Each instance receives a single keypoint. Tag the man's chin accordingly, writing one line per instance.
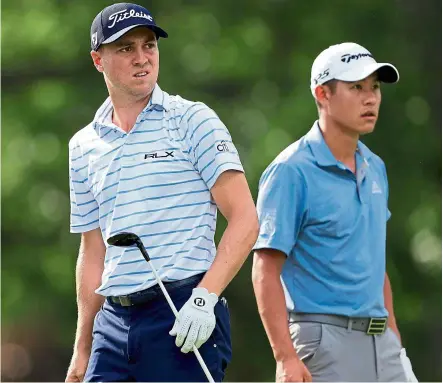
(142, 91)
(366, 129)
(365, 132)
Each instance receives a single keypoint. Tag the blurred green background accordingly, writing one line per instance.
(249, 60)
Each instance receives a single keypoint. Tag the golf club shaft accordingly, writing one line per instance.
(174, 310)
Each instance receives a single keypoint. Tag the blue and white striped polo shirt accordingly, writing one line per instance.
(154, 181)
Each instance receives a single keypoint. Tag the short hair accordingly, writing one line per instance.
(332, 85)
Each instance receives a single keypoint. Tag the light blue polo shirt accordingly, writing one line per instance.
(330, 223)
(154, 181)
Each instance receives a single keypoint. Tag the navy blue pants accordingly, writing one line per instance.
(133, 343)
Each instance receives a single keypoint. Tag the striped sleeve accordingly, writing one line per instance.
(84, 207)
(211, 148)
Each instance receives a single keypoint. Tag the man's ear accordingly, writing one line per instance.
(322, 94)
(97, 60)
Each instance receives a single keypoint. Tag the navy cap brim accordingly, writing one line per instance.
(388, 73)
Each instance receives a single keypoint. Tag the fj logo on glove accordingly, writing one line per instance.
(200, 302)
(196, 320)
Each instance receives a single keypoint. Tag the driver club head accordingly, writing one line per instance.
(124, 239)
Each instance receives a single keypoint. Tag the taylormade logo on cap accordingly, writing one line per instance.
(116, 20)
(348, 57)
(348, 62)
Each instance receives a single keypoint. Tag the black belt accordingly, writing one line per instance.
(371, 326)
(153, 292)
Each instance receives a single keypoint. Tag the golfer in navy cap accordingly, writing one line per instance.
(158, 166)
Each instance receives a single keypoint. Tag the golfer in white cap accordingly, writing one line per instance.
(319, 268)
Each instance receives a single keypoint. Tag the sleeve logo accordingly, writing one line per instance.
(223, 146)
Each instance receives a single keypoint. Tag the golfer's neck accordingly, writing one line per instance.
(127, 110)
(341, 143)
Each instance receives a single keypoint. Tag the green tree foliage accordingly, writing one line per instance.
(250, 61)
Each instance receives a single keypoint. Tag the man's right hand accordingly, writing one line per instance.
(78, 366)
(292, 370)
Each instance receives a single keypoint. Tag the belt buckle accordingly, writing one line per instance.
(124, 301)
(377, 326)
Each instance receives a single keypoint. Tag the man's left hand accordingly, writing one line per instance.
(196, 320)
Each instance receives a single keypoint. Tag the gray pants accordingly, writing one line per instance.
(333, 353)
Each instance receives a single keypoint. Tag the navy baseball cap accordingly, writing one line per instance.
(117, 19)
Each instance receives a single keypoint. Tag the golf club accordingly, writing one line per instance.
(126, 239)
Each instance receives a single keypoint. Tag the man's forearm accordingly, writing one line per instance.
(89, 304)
(234, 247)
(88, 278)
(389, 304)
(272, 309)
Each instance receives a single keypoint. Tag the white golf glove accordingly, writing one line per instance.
(407, 367)
(196, 320)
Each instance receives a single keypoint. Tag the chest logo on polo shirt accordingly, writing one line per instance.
(375, 188)
(155, 155)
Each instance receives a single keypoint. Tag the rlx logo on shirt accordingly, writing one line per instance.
(159, 155)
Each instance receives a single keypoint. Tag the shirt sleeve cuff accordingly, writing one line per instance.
(274, 245)
(220, 170)
(84, 228)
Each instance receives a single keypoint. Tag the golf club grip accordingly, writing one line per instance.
(174, 310)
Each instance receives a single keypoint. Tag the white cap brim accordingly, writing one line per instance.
(386, 73)
(119, 34)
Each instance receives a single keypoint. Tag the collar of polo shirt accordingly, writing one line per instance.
(321, 151)
(158, 97)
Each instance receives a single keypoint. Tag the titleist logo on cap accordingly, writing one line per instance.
(348, 57)
(123, 15)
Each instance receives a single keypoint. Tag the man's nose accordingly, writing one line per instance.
(370, 98)
(140, 58)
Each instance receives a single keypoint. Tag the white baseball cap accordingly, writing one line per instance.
(349, 62)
